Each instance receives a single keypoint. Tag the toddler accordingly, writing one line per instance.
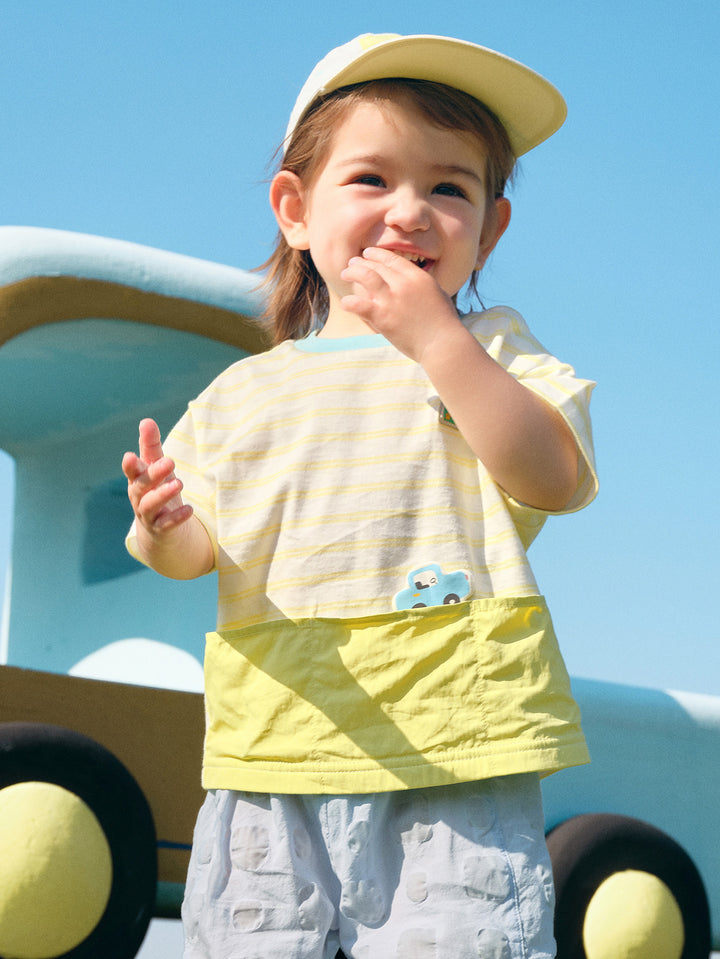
(383, 687)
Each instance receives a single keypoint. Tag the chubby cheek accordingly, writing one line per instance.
(465, 260)
(358, 227)
(331, 255)
(344, 227)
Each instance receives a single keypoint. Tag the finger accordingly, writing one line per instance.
(143, 481)
(357, 267)
(145, 475)
(388, 258)
(159, 483)
(377, 268)
(132, 466)
(152, 503)
(171, 518)
(366, 277)
(150, 441)
(360, 305)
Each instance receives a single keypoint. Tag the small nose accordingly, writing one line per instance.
(408, 211)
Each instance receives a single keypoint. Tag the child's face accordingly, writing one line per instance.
(394, 180)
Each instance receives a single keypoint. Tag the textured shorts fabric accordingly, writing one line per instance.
(452, 872)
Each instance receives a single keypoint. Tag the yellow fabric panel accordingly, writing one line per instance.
(398, 700)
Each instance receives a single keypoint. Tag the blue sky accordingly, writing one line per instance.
(156, 122)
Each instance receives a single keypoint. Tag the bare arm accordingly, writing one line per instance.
(170, 539)
(525, 444)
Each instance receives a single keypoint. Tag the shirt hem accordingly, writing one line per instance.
(339, 780)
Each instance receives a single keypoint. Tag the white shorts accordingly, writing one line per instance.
(451, 872)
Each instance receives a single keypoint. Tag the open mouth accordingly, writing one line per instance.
(415, 258)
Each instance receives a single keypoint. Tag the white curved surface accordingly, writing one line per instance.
(143, 662)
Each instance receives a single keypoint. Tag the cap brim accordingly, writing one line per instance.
(530, 108)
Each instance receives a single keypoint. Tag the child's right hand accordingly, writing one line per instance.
(153, 488)
(169, 538)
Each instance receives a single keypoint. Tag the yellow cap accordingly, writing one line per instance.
(530, 108)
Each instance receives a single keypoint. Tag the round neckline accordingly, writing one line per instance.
(313, 343)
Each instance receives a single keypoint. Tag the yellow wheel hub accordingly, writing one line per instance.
(633, 915)
(55, 870)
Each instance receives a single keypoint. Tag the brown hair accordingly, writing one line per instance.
(298, 296)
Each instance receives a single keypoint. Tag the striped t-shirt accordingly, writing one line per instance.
(326, 471)
(379, 626)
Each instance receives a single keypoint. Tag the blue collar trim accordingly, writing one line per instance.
(327, 344)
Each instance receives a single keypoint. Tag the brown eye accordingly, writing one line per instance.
(369, 179)
(449, 189)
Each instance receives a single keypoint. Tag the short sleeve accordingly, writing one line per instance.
(506, 337)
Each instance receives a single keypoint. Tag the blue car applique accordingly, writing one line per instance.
(429, 586)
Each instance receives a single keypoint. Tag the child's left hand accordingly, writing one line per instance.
(525, 444)
(398, 299)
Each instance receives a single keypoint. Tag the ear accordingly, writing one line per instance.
(288, 200)
(495, 225)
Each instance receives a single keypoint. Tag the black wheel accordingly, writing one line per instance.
(450, 599)
(48, 769)
(618, 879)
